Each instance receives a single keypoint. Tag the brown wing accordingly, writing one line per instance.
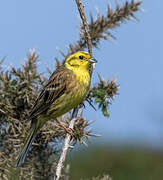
(55, 87)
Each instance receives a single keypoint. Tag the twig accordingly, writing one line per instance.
(86, 27)
(66, 146)
(64, 151)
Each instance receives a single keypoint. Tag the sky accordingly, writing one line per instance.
(134, 58)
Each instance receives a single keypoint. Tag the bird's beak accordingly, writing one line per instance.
(92, 60)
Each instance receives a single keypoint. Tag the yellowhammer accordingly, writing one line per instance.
(65, 89)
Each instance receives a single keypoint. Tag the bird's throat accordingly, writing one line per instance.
(82, 75)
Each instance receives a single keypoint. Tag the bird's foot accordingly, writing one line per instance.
(68, 130)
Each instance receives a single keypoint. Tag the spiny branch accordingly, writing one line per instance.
(64, 152)
(98, 28)
(85, 25)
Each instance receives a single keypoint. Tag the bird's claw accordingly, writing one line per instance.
(69, 131)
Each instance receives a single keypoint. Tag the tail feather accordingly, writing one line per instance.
(27, 145)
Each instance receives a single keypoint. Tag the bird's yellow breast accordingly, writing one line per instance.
(82, 76)
(76, 94)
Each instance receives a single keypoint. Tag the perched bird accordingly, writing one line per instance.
(66, 88)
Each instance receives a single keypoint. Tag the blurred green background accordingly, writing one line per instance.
(120, 162)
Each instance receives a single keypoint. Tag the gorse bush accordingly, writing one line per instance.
(19, 88)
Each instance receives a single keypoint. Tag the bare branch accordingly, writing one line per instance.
(64, 151)
(85, 24)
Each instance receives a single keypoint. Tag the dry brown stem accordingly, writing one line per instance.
(85, 25)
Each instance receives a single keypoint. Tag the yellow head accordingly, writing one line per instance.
(79, 60)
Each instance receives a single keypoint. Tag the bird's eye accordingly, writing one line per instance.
(81, 57)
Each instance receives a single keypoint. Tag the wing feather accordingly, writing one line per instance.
(55, 87)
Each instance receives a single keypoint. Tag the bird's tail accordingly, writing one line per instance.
(27, 145)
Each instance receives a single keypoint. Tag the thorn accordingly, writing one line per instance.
(81, 113)
(83, 142)
(95, 135)
(61, 52)
(71, 147)
(90, 103)
(99, 77)
(141, 9)
(89, 130)
(90, 122)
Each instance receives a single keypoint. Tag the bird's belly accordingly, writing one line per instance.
(67, 102)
